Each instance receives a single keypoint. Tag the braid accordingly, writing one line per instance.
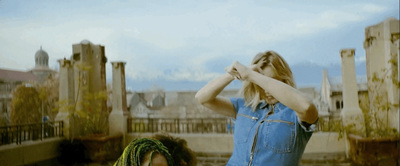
(138, 148)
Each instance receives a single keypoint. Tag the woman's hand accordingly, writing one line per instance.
(241, 72)
(233, 71)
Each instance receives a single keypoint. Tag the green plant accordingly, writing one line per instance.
(375, 114)
(95, 117)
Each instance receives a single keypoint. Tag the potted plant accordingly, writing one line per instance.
(377, 143)
(99, 146)
(90, 121)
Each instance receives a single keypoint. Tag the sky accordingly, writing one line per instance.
(183, 44)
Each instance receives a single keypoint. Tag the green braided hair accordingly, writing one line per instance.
(138, 148)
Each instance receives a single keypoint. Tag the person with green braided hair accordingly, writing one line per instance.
(145, 152)
(178, 148)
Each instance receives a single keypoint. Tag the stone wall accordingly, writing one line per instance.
(30, 152)
(203, 145)
(320, 142)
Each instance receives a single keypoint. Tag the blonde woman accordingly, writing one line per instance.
(274, 120)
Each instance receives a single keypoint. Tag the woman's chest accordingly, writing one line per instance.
(274, 130)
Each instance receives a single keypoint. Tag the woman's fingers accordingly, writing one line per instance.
(242, 70)
(233, 71)
(238, 77)
(238, 70)
(235, 74)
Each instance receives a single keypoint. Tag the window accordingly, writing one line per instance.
(77, 57)
(337, 105)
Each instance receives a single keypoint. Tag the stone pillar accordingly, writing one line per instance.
(351, 112)
(380, 47)
(119, 114)
(66, 95)
(391, 51)
(325, 89)
(351, 107)
(398, 77)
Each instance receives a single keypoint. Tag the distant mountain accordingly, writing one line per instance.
(166, 85)
(309, 74)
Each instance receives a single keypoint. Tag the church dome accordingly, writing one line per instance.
(41, 58)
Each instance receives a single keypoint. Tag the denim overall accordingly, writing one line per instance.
(270, 135)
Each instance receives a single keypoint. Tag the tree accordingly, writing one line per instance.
(48, 93)
(25, 105)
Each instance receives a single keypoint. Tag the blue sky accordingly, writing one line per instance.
(181, 45)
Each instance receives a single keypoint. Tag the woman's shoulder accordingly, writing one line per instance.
(237, 102)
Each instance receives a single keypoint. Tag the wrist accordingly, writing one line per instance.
(229, 77)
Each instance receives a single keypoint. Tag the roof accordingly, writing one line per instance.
(42, 68)
(338, 80)
(337, 86)
(13, 75)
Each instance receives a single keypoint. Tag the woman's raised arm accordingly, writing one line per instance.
(208, 96)
(287, 95)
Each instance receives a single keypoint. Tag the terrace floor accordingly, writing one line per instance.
(221, 160)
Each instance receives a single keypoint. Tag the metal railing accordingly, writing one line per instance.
(25, 132)
(171, 125)
(209, 125)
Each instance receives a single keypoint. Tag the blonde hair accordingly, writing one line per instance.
(253, 93)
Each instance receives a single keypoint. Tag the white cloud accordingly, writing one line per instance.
(359, 59)
(179, 74)
(372, 8)
(183, 74)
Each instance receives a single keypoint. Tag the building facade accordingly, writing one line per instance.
(10, 79)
